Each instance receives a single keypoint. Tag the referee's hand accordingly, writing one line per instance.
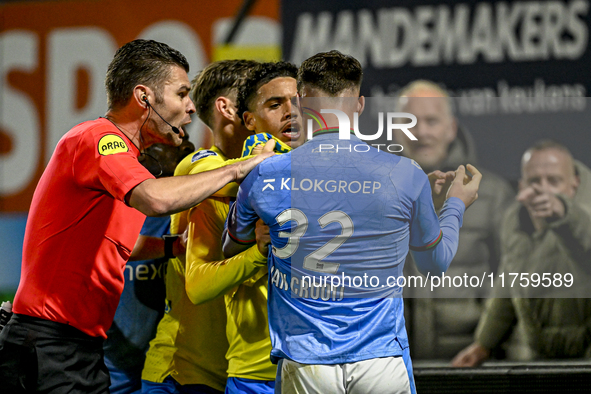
(465, 187)
(243, 168)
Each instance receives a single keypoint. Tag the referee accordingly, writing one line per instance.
(85, 216)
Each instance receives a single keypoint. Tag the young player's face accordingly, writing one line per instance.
(272, 112)
(176, 108)
(435, 131)
(550, 171)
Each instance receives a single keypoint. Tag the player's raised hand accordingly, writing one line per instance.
(464, 187)
(440, 182)
(244, 167)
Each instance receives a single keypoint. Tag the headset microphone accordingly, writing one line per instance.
(174, 129)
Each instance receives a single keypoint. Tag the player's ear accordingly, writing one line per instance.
(297, 103)
(360, 105)
(226, 108)
(249, 120)
(141, 95)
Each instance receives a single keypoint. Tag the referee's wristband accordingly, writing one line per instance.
(168, 245)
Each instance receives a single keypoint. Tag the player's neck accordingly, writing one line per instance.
(226, 139)
(126, 124)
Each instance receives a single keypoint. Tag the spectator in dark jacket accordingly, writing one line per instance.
(548, 230)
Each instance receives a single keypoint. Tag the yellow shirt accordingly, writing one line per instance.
(248, 330)
(209, 275)
(243, 280)
(190, 343)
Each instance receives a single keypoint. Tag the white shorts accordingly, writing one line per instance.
(387, 375)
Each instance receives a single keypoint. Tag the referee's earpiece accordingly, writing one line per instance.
(148, 105)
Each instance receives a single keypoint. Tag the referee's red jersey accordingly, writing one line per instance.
(80, 232)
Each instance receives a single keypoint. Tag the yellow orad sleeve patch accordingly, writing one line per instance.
(111, 144)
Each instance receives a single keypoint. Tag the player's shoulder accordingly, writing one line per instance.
(408, 168)
(99, 135)
(408, 175)
(412, 164)
(205, 155)
(92, 129)
(269, 170)
(201, 160)
(274, 165)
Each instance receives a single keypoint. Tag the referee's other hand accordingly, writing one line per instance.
(465, 187)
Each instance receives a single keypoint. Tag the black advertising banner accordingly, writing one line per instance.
(532, 56)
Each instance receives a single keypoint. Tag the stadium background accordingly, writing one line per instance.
(500, 59)
(519, 69)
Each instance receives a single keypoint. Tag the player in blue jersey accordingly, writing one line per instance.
(341, 210)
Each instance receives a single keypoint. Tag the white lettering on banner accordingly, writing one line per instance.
(503, 98)
(446, 34)
(68, 50)
(18, 114)
(145, 271)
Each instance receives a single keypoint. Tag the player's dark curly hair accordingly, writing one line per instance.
(145, 62)
(261, 75)
(218, 79)
(332, 72)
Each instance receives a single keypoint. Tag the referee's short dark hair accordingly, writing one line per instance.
(222, 78)
(261, 75)
(145, 62)
(331, 72)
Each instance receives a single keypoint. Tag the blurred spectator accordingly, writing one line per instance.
(548, 229)
(443, 322)
(142, 302)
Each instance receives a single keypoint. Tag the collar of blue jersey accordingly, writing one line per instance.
(330, 130)
(262, 138)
